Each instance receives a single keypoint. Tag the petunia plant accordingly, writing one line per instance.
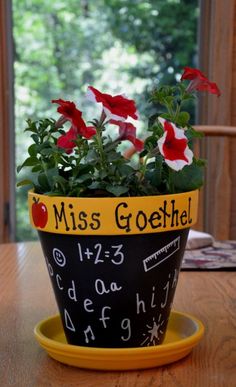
(73, 157)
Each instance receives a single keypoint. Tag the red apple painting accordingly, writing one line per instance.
(39, 214)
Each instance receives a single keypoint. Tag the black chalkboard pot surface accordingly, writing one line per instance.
(114, 263)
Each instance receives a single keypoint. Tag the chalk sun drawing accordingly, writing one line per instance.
(152, 336)
(161, 255)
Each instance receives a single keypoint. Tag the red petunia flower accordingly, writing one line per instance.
(66, 140)
(173, 146)
(68, 110)
(199, 81)
(117, 108)
(127, 131)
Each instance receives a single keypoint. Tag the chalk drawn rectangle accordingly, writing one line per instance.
(157, 258)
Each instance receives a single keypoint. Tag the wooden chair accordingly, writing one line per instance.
(217, 207)
(217, 211)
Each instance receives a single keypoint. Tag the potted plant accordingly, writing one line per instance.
(113, 230)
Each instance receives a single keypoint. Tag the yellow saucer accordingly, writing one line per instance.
(183, 333)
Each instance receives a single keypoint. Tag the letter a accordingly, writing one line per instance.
(68, 321)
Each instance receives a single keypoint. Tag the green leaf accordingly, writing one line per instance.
(189, 178)
(29, 162)
(37, 168)
(43, 182)
(83, 178)
(191, 133)
(103, 174)
(47, 151)
(24, 182)
(35, 138)
(183, 119)
(117, 190)
(33, 150)
(113, 156)
(125, 170)
(154, 172)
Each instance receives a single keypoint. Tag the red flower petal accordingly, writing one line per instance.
(66, 140)
(127, 131)
(117, 107)
(208, 86)
(173, 147)
(68, 110)
(199, 81)
(87, 131)
(191, 73)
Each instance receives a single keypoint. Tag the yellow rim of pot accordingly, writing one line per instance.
(113, 216)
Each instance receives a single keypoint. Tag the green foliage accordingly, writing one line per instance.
(96, 167)
(189, 178)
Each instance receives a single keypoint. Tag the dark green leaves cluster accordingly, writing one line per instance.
(91, 170)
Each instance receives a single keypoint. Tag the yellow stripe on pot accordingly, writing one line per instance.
(113, 216)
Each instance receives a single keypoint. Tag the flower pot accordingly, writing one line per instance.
(114, 263)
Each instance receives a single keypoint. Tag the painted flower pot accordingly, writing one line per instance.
(114, 263)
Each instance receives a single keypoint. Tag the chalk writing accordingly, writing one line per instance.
(175, 279)
(68, 321)
(96, 253)
(153, 305)
(152, 337)
(161, 255)
(71, 292)
(86, 334)
(88, 305)
(58, 281)
(59, 257)
(101, 288)
(49, 266)
(166, 288)
(103, 318)
(126, 325)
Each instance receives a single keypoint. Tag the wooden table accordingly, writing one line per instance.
(26, 298)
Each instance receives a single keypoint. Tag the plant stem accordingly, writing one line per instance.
(98, 137)
(177, 112)
(170, 182)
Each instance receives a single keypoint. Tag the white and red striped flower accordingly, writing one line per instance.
(116, 107)
(173, 146)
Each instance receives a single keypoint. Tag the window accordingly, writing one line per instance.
(118, 45)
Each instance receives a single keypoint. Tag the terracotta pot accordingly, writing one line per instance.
(114, 263)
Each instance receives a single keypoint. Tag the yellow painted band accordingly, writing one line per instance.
(113, 216)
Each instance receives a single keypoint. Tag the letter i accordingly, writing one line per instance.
(72, 216)
(153, 305)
